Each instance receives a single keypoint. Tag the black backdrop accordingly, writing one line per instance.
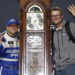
(10, 9)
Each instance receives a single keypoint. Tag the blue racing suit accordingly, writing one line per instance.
(9, 55)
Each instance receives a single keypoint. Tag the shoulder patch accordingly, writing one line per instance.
(3, 39)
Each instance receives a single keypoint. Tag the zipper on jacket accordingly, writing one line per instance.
(58, 48)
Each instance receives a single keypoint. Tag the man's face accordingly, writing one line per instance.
(12, 29)
(56, 17)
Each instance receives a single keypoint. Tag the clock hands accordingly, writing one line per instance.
(35, 21)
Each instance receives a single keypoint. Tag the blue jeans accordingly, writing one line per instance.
(69, 70)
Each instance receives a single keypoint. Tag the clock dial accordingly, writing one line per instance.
(35, 21)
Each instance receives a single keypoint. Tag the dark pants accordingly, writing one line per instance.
(69, 70)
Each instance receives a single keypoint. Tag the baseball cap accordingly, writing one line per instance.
(11, 21)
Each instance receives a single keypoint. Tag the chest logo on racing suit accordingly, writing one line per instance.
(11, 43)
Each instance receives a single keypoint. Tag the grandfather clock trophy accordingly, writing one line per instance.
(34, 37)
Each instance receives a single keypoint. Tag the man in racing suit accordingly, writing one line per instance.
(9, 49)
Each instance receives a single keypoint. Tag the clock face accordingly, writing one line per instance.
(35, 21)
(35, 18)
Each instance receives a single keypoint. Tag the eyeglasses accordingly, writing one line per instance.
(56, 15)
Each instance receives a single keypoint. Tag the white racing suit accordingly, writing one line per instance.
(9, 55)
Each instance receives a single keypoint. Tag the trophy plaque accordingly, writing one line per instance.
(34, 37)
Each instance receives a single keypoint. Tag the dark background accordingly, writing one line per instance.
(10, 9)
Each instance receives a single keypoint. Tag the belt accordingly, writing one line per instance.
(11, 67)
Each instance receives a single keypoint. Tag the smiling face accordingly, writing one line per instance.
(56, 17)
(12, 29)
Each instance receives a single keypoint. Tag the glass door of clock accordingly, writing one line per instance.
(34, 54)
